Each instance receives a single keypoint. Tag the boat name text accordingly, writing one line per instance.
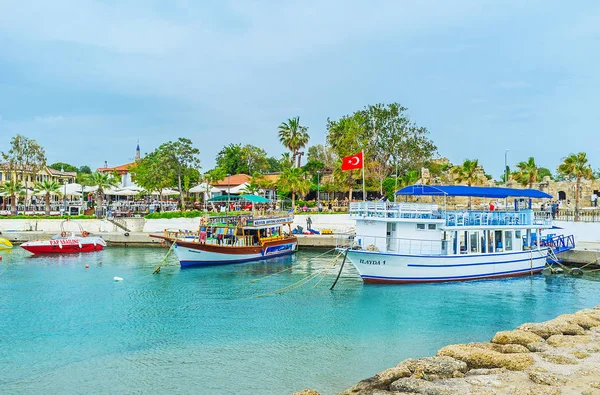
(372, 262)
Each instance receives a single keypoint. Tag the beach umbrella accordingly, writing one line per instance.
(125, 192)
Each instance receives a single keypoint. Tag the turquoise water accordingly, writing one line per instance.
(67, 329)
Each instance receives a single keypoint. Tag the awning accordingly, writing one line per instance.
(255, 199)
(232, 198)
(462, 190)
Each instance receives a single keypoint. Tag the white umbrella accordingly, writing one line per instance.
(71, 189)
(132, 188)
(125, 192)
(167, 192)
(203, 188)
(239, 189)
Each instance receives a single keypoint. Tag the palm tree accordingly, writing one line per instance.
(294, 137)
(528, 172)
(48, 187)
(293, 180)
(576, 166)
(467, 173)
(12, 188)
(102, 181)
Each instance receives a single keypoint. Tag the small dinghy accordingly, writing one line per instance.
(65, 243)
(5, 244)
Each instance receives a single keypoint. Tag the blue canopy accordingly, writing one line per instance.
(462, 190)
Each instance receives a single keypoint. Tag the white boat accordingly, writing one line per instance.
(424, 242)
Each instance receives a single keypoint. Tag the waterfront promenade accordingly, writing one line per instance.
(587, 235)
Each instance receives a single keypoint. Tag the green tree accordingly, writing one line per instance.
(103, 181)
(84, 170)
(527, 174)
(543, 172)
(12, 188)
(293, 181)
(153, 172)
(61, 166)
(229, 159)
(25, 156)
(48, 188)
(273, 165)
(182, 155)
(467, 173)
(324, 154)
(576, 166)
(294, 137)
(254, 160)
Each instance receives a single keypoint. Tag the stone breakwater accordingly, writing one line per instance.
(560, 356)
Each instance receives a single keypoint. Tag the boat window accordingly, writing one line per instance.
(431, 226)
(490, 241)
(474, 239)
(518, 234)
(498, 241)
(508, 240)
(420, 226)
(463, 242)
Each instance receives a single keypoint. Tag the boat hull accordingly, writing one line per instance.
(64, 246)
(195, 254)
(383, 268)
(5, 244)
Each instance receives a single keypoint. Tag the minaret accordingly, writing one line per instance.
(137, 152)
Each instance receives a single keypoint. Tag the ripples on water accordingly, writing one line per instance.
(67, 329)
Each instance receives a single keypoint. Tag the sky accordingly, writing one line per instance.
(88, 79)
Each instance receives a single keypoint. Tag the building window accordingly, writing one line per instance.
(420, 226)
(431, 226)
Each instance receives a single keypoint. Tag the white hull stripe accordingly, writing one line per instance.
(493, 274)
(479, 264)
(437, 256)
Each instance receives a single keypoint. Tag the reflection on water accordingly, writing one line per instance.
(70, 329)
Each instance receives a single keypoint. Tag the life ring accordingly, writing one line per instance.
(63, 234)
(85, 233)
(244, 221)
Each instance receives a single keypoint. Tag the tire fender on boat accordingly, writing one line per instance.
(85, 233)
(63, 234)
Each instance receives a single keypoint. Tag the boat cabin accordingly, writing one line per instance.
(431, 229)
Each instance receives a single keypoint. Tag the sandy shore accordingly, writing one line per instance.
(560, 356)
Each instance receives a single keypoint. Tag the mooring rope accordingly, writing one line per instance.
(157, 270)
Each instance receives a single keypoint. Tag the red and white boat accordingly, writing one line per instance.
(65, 243)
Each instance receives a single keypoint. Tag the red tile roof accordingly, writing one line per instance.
(233, 181)
(122, 169)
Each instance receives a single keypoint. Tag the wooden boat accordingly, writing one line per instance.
(66, 242)
(5, 244)
(233, 239)
(418, 242)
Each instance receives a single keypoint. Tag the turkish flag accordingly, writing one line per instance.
(352, 162)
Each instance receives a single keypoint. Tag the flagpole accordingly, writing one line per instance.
(363, 174)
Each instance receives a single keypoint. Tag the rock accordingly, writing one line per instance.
(440, 367)
(580, 354)
(516, 337)
(416, 386)
(595, 384)
(553, 327)
(537, 389)
(559, 359)
(538, 347)
(477, 358)
(514, 349)
(546, 378)
(567, 341)
(307, 392)
(381, 380)
(583, 320)
(485, 372)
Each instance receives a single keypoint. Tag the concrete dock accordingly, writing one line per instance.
(143, 239)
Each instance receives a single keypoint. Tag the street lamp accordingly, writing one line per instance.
(318, 190)
(228, 193)
(506, 166)
(62, 170)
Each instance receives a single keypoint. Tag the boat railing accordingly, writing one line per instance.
(390, 210)
(393, 245)
(394, 210)
(221, 239)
